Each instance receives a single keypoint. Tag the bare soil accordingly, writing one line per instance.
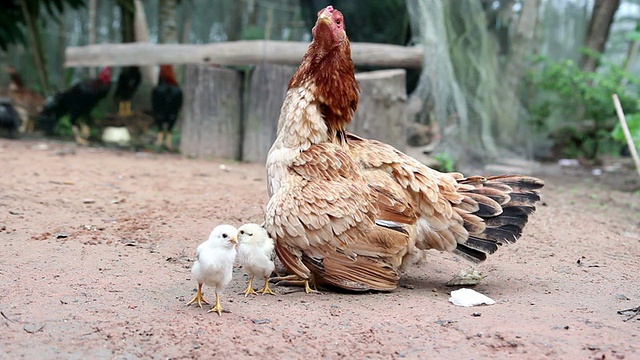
(96, 246)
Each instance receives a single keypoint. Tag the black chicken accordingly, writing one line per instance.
(166, 100)
(77, 102)
(128, 83)
(9, 118)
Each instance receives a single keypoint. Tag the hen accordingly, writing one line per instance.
(128, 82)
(26, 101)
(9, 118)
(255, 252)
(214, 263)
(166, 101)
(77, 102)
(349, 212)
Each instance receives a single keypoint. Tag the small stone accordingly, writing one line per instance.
(476, 314)
(261, 321)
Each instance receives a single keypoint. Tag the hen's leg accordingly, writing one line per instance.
(293, 280)
(218, 307)
(249, 289)
(266, 289)
(199, 297)
(76, 134)
(120, 108)
(159, 139)
(169, 141)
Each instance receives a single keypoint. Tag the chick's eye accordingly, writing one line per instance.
(224, 236)
(241, 232)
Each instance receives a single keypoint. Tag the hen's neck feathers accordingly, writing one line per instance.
(322, 97)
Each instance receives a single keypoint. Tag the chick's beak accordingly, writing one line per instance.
(234, 239)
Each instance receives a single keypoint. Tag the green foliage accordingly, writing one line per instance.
(63, 127)
(252, 33)
(633, 121)
(445, 162)
(12, 21)
(583, 102)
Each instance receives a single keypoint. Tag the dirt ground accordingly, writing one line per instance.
(96, 247)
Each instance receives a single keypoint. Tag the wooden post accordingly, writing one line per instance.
(212, 113)
(382, 113)
(268, 86)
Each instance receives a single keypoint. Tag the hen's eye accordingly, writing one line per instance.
(338, 21)
(224, 236)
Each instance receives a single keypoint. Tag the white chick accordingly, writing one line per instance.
(214, 263)
(255, 254)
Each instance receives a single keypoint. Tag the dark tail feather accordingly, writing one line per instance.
(516, 195)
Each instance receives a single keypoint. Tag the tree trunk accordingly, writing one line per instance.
(515, 68)
(598, 31)
(632, 54)
(36, 46)
(167, 22)
(93, 4)
(142, 36)
(127, 14)
(234, 31)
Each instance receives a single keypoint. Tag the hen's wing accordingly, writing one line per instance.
(469, 216)
(324, 223)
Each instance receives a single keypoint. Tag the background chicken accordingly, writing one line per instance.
(27, 102)
(166, 100)
(214, 263)
(77, 102)
(128, 82)
(9, 118)
(255, 254)
(349, 212)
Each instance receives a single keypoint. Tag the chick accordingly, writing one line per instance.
(255, 254)
(214, 263)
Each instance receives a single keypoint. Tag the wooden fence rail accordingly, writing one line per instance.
(245, 52)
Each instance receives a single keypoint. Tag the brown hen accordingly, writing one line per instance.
(350, 212)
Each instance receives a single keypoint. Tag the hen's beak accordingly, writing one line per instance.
(325, 17)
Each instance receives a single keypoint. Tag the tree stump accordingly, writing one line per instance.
(268, 86)
(212, 113)
(381, 113)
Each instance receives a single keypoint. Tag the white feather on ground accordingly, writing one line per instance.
(256, 254)
(214, 263)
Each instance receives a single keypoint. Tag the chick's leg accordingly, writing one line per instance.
(266, 289)
(218, 307)
(249, 289)
(199, 297)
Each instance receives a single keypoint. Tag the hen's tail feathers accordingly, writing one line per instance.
(504, 204)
